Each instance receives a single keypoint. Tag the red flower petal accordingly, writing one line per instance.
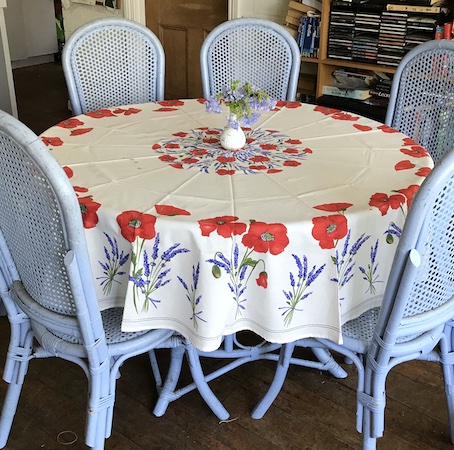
(333, 207)
(166, 210)
(327, 229)
(362, 127)
(404, 165)
(135, 224)
(80, 131)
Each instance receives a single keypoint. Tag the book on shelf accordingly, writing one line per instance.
(357, 94)
(415, 8)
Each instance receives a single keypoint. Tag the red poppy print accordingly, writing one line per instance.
(423, 171)
(167, 103)
(307, 150)
(80, 189)
(199, 152)
(156, 147)
(266, 237)
(258, 167)
(88, 209)
(52, 141)
(189, 160)
(69, 172)
(172, 145)
(280, 103)
(249, 140)
(259, 158)
(362, 127)
(127, 112)
(70, 123)
(387, 129)
(291, 163)
(166, 210)
(344, 116)
(167, 158)
(326, 110)
(293, 141)
(383, 202)
(176, 165)
(292, 105)
(180, 134)
(409, 192)
(210, 140)
(404, 165)
(416, 151)
(134, 224)
(262, 280)
(328, 229)
(165, 110)
(333, 207)
(80, 131)
(225, 159)
(268, 146)
(225, 226)
(291, 151)
(274, 171)
(100, 114)
(409, 141)
(225, 172)
(216, 132)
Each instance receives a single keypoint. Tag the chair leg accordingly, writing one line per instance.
(9, 411)
(199, 379)
(277, 383)
(166, 391)
(447, 364)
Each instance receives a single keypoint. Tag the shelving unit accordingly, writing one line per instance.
(327, 65)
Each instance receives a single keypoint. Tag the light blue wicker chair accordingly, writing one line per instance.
(112, 62)
(47, 287)
(416, 317)
(422, 97)
(257, 51)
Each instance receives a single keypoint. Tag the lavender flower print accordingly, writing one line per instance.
(298, 293)
(370, 274)
(237, 271)
(191, 296)
(154, 272)
(111, 267)
(345, 261)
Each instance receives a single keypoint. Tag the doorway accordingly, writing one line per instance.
(182, 26)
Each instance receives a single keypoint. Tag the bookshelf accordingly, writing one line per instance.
(325, 65)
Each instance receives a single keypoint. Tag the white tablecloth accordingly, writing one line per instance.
(289, 237)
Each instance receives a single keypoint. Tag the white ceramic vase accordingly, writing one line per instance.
(232, 139)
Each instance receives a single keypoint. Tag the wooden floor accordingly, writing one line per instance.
(314, 410)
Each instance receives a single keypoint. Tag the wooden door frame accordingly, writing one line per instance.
(135, 10)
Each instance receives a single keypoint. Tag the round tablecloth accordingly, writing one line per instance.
(289, 237)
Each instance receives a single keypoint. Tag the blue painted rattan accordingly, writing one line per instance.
(112, 62)
(257, 51)
(47, 287)
(422, 97)
(415, 320)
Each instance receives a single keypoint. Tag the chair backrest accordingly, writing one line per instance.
(422, 97)
(112, 62)
(257, 51)
(42, 237)
(420, 293)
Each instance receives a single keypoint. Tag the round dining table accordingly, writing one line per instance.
(289, 237)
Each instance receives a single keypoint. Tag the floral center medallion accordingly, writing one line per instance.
(266, 151)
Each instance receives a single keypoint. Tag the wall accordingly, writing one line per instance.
(31, 31)
(78, 14)
(275, 10)
(7, 94)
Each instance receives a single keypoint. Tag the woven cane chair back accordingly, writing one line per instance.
(257, 51)
(113, 62)
(422, 97)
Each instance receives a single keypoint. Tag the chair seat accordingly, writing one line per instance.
(111, 319)
(363, 326)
